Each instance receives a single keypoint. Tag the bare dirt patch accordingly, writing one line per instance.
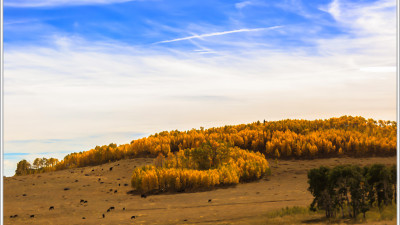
(102, 189)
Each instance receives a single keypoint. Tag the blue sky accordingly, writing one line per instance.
(91, 72)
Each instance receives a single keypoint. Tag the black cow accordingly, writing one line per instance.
(103, 215)
(133, 217)
(51, 208)
(123, 208)
(209, 200)
(108, 210)
(115, 191)
(143, 195)
(82, 201)
(112, 208)
(111, 168)
(32, 216)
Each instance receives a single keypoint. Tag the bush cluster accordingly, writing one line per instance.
(351, 190)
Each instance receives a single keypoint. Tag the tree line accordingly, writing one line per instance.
(349, 190)
(295, 139)
(39, 165)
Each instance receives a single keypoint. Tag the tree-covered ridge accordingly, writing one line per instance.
(299, 139)
(204, 167)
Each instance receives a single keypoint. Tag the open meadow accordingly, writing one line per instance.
(245, 203)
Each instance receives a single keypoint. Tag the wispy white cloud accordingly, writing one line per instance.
(243, 4)
(55, 3)
(379, 69)
(201, 36)
(369, 18)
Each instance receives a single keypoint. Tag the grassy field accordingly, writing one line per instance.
(260, 202)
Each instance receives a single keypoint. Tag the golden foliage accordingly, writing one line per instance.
(180, 171)
(344, 136)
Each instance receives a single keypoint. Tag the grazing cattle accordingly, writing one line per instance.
(76, 180)
(51, 208)
(83, 218)
(143, 195)
(103, 215)
(66, 189)
(85, 201)
(209, 200)
(111, 189)
(82, 201)
(108, 210)
(99, 179)
(24, 195)
(32, 216)
(133, 217)
(93, 170)
(115, 191)
(123, 208)
(112, 208)
(126, 184)
(111, 168)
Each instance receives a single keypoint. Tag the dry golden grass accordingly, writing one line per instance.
(247, 203)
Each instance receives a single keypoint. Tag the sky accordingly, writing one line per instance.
(81, 73)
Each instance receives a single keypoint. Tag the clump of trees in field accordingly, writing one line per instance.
(349, 190)
(39, 165)
(294, 139)
(210, 165)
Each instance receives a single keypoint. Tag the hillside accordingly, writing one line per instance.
(245, 203)
(285, 139)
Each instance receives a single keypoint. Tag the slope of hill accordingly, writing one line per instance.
(245, 203)
(287, 139)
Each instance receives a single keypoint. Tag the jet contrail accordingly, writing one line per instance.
(219, 33)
